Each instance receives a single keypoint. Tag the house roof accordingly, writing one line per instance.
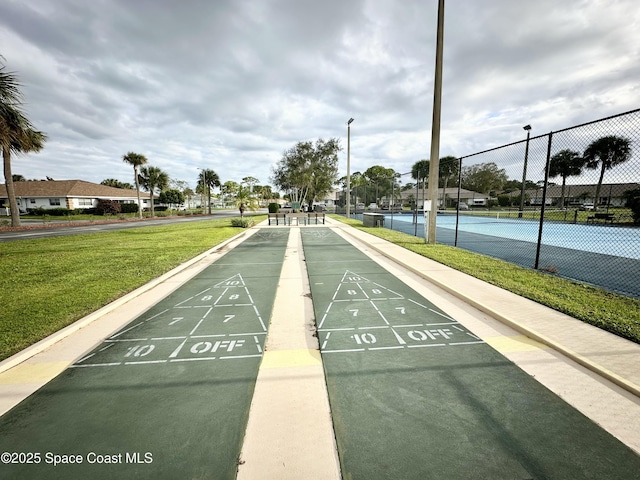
(68, 188)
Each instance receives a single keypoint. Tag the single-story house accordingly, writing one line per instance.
(71, 194)
(611, 194)
(468, 197)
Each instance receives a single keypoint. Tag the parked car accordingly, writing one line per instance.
(587, 206)
(372, 206)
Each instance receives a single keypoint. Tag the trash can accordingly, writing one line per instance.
(373, 220)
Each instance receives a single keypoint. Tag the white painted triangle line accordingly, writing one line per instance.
(234, 281)
(194, 296)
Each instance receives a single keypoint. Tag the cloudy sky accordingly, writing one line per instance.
(230, 84)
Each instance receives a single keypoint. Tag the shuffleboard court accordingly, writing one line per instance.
(168, 396)
(414, 394)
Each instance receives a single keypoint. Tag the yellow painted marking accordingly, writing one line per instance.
(32, 372)
(290, 358)
(517, 343)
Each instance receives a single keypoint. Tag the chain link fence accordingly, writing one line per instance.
(576, 214)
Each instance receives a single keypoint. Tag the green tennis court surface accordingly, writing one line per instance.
(414, 394)
(168, 396)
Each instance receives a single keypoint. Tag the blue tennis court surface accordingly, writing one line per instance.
(607, 256)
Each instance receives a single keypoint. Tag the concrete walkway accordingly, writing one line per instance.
(592, 370)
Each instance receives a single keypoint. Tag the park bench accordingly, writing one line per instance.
(605, 217)
(278, 218)
(316, 216)
(297, 217)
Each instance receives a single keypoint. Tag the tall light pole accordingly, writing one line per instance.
(524, 170)
(434, 159)
(349, 167)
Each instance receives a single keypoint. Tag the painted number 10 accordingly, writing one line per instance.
(364, 338)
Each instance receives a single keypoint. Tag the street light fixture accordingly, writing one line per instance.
(524, 170)
(348, 209)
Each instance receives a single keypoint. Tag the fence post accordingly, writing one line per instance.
(455, 242)
(544, 200)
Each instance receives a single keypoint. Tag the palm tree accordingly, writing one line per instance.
(209, 179)
(16, 134)
(565, 163)
(136, 160)
(607, 152)
(246, 199)
(420, 170)
(448, 168)
(151, 178)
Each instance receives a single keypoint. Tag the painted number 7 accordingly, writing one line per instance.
(355, 311)
(401, 309)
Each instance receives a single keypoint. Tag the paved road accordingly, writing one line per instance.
(57, 231)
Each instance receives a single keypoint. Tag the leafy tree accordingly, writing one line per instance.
(483, 177)
(229, 190)
(606, 152)
(251, 182)
(516, 185)
(136, 160)
(308, 171)
(381, 178)
(18, 178)
(17, 134)
(565, 163)
(264, 192)
(184, 188)
(208, 179)
(171, 196)
(152, 178)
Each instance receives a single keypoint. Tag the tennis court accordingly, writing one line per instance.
(607, 256)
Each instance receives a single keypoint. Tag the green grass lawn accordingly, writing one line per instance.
(609, 311)
(47, 284)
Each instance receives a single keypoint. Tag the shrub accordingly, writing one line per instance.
(273, 207)
(129, 208)
(54, 212)
(242, 222)
(108, 207)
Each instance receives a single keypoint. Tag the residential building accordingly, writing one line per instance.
(611, 194)
(71, 194)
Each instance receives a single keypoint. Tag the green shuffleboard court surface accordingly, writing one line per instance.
(168, 396)
(415, 395)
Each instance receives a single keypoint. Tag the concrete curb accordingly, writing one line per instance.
(580, 359)
(55, 337)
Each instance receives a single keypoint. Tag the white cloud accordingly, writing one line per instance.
(229, 85)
